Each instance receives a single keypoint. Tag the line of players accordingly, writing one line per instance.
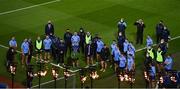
(122, 51)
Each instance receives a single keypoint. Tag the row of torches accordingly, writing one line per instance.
(161, 80)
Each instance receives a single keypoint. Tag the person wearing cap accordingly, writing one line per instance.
(105, 54)
(100, 45)
(25, 51)
(165, 34)
(67, 39)
(82, 34)
(140, 29)
(120, 40)
(159, 29)
(49, 28)
(61, 50)
(13, 43)
(75, 40)
(122, 26)
(89, 53)
(168, 63)
(38, 48)
(47, 43)
(149, 41)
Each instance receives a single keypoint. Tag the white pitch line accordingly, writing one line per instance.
(50, 81)
(20, 9)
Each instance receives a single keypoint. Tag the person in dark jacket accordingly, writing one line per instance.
(121, 40)
(159, 29)
(89, 53)
(165, 34)
(105, 54)
(67, 39)
(49, 28)
(30, 51)
(163, 46)
(94, 44)
(30, 75)
(61, 51)
(140, 29)
(82, 39)
(10, 56)
(122, 26)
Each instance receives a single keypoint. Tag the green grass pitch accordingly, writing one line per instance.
(96, 16)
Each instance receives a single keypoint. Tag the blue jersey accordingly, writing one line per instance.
(25, 47)
(125, 45)
(100, 45)
(122, 61)
(130, 46)
(75, 39)
(131, 51)
(47, 44)
(130, 63)
(149, 42)
(113, 47)
(152, 71)
(116, 54)
(12, 43)
(169, 63)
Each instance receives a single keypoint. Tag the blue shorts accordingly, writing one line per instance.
(152, 77)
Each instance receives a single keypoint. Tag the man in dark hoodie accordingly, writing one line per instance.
(82, 34)
(10, 56)
(67, 39)
(159, 29)
(49, 28)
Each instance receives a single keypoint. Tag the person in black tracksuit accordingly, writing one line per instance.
(159, 29)
(49, 28)
(61, 51)
(105, 54)
(94, 44)
(30, 76)
(82, 39)
(163, 46)
(67, 39)
(165, 34)
(121, 40)
(89, 53)
(10, 56)
(30, 51)
(140, 29)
